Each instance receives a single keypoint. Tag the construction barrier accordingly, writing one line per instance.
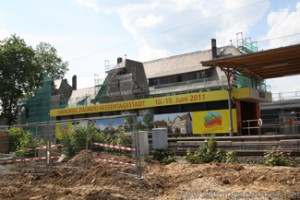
(116, 162)
(41, 147)
(18, 160)
(114, 147)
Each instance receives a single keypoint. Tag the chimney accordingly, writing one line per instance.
(74, 82)
(119, 60)
(214, 48)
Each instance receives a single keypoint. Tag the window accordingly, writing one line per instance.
(181, 77)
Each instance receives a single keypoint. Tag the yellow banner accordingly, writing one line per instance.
(144, 103)
(213, 122)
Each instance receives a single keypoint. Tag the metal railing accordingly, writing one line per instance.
(285, 96)
(252, 124)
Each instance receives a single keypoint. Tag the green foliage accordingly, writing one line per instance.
(148, 118)
(16, 56)
(277, 158)
(164, 156)
(208, 152)
(80, 136)
(20, 140)
(52, 65)
(66, 146)
(120, 138)
(145, 122)
(128, 123)
(94, 134)
(31, 67)
(230, 157)
(15, 135)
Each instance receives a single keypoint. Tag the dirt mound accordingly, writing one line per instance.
(228, 180)
(102, 180)
(88, 159)
(85, 158)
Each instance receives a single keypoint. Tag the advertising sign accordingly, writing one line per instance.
(213, 122)
(143, 103)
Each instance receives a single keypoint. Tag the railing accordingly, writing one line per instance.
(252, 124)
(282, 126)
(188, 87)
(286, 96)
(203, 80)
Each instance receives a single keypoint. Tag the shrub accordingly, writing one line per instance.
(80, 136)
(20, 140)
(164, 156)
(230, 157)
(206, 153)
(66, 146)
(277, 158)
(15, 135)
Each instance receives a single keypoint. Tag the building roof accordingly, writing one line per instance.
(184, 63)
(261, 65)
(81, 94)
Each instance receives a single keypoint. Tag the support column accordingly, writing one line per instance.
(229, 72)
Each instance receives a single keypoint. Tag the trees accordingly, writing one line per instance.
(22, 70)
(52, 65)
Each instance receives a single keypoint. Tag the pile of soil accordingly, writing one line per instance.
(88, 159)
(72, 180)
(85, 158)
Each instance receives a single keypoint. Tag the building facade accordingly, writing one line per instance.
(175, 92)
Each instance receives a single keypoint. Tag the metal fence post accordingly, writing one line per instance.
(35, 145)
(87, 143)
(137, 148)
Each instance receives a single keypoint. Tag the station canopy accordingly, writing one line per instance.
(283, 61)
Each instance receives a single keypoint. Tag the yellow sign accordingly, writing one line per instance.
(213, 122)
(144, 103)
(63, 128)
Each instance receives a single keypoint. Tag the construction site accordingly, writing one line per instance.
(98, 142)
(71, 180)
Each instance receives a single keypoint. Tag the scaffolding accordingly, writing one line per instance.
(245, 44)
(38, 106)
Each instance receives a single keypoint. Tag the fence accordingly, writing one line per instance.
(109, 140)
(283, 125)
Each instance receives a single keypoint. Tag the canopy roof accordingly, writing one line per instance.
(261, 65)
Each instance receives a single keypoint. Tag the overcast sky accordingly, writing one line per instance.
(88, 32)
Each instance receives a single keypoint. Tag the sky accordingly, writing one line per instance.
(91, 34)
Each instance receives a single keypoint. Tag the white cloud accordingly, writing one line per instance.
(180, 26)
(148, 21)
(90, 4)
(282, 23)
(147, 53)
